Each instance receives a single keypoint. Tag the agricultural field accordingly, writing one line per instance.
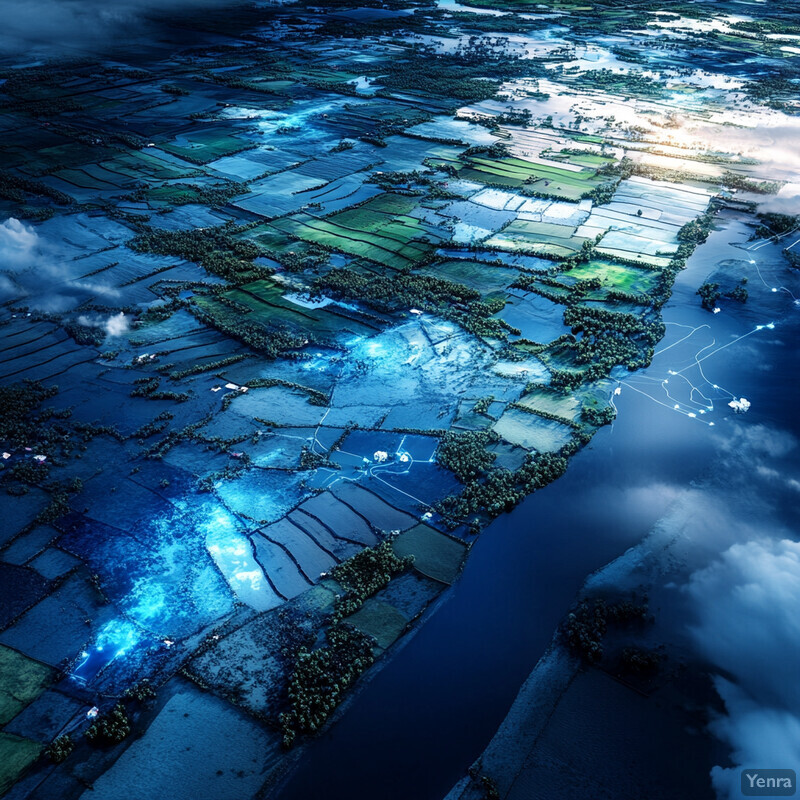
(294, 302)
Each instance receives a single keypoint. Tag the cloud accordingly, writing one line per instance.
(67, 27)
(747, 625)
(117, 324)
(18, 243)
(787, 201)
(757, 440)
(114, 325)
(766, 738)
(35, 272)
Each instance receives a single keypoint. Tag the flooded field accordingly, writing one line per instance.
(295, 300)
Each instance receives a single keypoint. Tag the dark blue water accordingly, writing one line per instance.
(419, 723)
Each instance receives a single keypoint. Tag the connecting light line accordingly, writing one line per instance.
(701, 396)
(756, 247)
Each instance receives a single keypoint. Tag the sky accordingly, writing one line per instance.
(81, 27)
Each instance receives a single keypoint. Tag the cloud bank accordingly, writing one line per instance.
(748, 626)
(35, 272)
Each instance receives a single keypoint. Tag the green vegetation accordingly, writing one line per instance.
(60, 749)
(404, 291)
(17, 754)
(710, 294)
(502, 489)
(216, 249)
(470, 74)
(22, 680)
(586, 625)
(111, 727)
(364, 574)
(482, 405)
(435, 554)
(464, 453)
(320, 678)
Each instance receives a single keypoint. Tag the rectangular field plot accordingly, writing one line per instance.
(643, 219)
(16, 755)
(380, 620)
(544, 238)
(617, 277)
(22, 680)
(381, 230)
(569, 183)
(566, 406)
(268, 305)
(532, 432)
(436, 555)
(205, 145)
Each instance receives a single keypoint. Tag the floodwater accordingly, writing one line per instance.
(417, 725)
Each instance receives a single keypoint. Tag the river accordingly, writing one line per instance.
(420, 721)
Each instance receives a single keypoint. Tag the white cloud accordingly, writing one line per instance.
(36, 274)
(117, 324)
(746, 604)
(758, 440)
(19, 244)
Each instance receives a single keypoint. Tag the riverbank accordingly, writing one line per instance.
(448, 689)
(576, 730)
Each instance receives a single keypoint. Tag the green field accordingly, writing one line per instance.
(381, 230)
(540, 237)
(380, 620)
(16, 755)
(22, 680)
(617, 277)
(516, 172)
(566, 406)
(435, 554)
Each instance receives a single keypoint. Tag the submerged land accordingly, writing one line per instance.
(292, 312)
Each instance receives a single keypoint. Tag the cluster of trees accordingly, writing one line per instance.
(482, 405)
(464, 452)
(320, 678)
(736, 181)
(612, 338)
(640, 662)
(149, 388)
(773, 224)
(22, 423)
(208, 366)
(502, 489)
(59, 749)
(270, 342)
(86, 335)
(696, 231)
(587, 624)
(772, 89)
(470, 74)
(111, 727)
(364, 574)
(179, 194)
(315, 397)
(632, 82)
(598, 417)
(14, 187)
(710, 294)
(404, 290)
(216, 249)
